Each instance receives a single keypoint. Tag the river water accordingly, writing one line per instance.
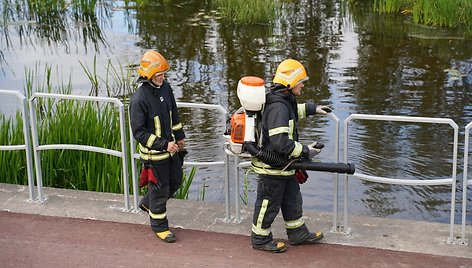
(358, 63)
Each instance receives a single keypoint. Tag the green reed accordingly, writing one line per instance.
(449, 13)
(66, 122)
(117, 81)
(72, 122)
(13, 167)
(183, 191)
(247, 12)
(245, 194)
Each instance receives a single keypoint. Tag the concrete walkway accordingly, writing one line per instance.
(404, 243)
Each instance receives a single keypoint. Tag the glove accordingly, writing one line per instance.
(314, 149)
(143, 177)
(301, 176)
(182, 154)
(322, 109)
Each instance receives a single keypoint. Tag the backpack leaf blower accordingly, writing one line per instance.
(243, 131)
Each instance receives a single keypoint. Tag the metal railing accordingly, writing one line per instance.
(37, 147)
(223, 114)
(27, 145)
(465, 182)
(451, 181)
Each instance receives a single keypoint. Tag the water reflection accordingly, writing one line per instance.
(358, 62)
(39, 24)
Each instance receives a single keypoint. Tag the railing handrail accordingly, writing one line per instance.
(26, 134)
(37, 147)
(451, 181)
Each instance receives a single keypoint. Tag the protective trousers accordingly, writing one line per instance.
(276, 193)
(169, 174)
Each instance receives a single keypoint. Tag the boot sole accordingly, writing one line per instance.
(277, 250)
(308, 242)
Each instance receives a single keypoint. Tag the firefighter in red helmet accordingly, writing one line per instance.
(278, 188)
(157, 127)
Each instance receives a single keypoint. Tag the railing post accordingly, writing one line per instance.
(26, 134)
(465, 183)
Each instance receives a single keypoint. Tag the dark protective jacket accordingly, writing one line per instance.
(155, 120)
(280, 129)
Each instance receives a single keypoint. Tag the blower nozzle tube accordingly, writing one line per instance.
(276, 160)
(345, 168)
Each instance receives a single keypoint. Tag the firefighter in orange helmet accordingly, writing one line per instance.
(278, 188)
(157, 127)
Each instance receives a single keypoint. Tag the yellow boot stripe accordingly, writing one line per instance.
(163, 235)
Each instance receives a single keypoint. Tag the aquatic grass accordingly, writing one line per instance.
(247, 12)
(448, 13)
(66, 122)
(183, 191)
(12, 134)
(201, 192)
(84, 123)
(118, 81)
(245, 194)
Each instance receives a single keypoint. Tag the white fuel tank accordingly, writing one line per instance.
(251, 93)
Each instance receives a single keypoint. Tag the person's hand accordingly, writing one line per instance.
(172, 147)
(181, 145)
(322, 109)
(315, 148)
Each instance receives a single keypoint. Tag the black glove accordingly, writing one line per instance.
(182, 154)
(314, 149)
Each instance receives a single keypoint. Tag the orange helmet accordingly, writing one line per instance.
(152, 62)
(289, 73)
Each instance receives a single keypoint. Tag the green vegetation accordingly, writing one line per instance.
(449, 13)
(247, 12)
(12, 134)
(182, 192)
(71, 122)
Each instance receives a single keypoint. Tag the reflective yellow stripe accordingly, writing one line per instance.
(261, 168)
(291, 127)
(260, 231)
(157, 126)
(262, 212)
(154, 157)
(151, 140)
(297, 150)
(294, 224)
(160, 216)
(301, 110)
(257, 229)
(145, 150)
(278, 130)
(177, 126)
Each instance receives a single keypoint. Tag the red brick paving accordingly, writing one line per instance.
(44, 241)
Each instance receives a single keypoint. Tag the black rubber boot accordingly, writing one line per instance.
(313, 238)
(272, 246)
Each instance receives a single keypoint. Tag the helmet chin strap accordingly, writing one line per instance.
(153, 84)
